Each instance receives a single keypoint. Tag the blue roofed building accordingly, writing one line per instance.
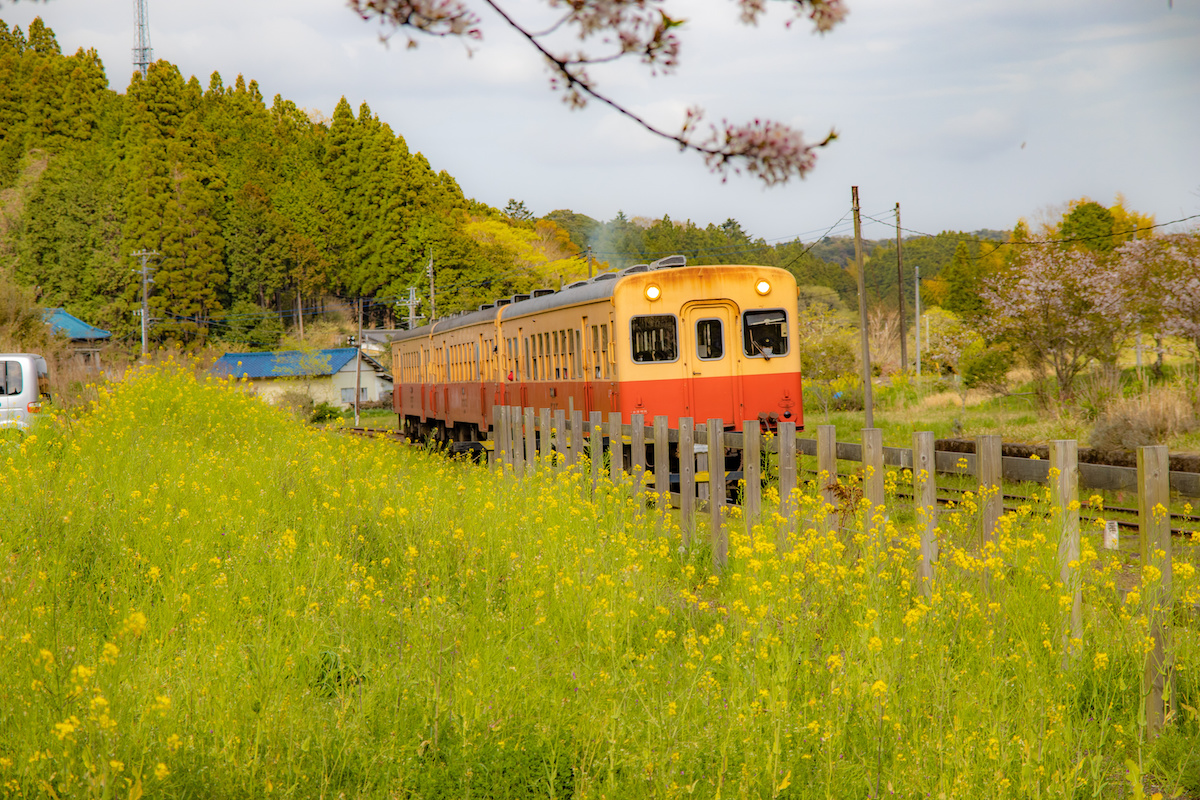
(85, 339)
(327, 376)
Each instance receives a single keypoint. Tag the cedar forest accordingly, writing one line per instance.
(259, 211)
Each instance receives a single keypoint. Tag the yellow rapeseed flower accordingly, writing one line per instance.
(135, 624)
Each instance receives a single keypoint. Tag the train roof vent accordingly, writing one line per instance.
(503, 301)
(542, 292)
(635, 268)
(669, 262)
(577, 284)
(486, 306)
(517, 298)
(607, 276)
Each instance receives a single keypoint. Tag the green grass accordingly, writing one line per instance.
(201, 597)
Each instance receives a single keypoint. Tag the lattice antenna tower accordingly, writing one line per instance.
(143, 54)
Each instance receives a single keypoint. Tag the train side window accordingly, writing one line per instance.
(526, 357)
(604, 349)
(573, 342)
(654, 338)
(557, 354)
(596, 351)
(544, 353)
(710, 339)
(764, 333)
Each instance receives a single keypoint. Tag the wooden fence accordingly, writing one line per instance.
(524, 437)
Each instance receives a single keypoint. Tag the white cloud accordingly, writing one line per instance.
(933, 99)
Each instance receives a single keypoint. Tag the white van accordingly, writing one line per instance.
(23, 382)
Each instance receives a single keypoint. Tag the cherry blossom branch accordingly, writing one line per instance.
(772, 151)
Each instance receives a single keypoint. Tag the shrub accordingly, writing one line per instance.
(1152, 418)
(324, 412)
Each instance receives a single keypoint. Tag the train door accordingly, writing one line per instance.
(711, 361)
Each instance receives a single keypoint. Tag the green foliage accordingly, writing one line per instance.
(985, 367)
(324, 412)
(249, 326)
(1091, 224)
(964, 282)
(933, 254)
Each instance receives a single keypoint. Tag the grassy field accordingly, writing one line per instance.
(200, 597)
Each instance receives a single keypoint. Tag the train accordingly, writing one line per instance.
(663, 338)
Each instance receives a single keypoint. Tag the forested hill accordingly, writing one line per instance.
(257, 210)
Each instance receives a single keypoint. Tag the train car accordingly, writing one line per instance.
(662, 338)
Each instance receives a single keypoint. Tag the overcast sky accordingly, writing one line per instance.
(969, 113)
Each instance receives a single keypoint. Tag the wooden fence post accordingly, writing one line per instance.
(662, 465)
(544, 444)
(872, 464)
(499, 436)
(988, 466)
(517, 450)
(716, 492)
(596, 439)
(687, 479)
(530, 439)
(751, 473)
(1064, 494)
(560, 436)
(827, 465)
(616, 447)
(1154, 539)
(576, 437)
(925, 494)
(787, 480)
(637, 443)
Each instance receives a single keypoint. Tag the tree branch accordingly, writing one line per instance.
(772, 151)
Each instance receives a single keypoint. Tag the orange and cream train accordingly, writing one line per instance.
(663, 338)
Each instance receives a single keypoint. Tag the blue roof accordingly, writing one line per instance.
(72, 327)
(283, 364)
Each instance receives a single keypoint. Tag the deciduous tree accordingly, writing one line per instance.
(1061, 308)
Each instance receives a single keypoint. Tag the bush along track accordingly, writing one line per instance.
(200, 597)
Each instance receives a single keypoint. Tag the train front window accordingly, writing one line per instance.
(654, 338)
(710, 339)
(764, 333)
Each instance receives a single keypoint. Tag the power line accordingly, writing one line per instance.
(1040, 242)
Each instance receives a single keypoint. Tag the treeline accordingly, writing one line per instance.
(250, 208)
(258, 214)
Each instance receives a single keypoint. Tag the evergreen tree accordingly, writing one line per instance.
(964, 282)
(258, 240)
(1091, 225)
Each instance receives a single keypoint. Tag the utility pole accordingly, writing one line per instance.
(145, 255)
(411, 303)
(868, 399)
(143, 54)
(917, 320)
(589, 257)
(900, 292)
(300, 310)
(432, 304)
(358, 362)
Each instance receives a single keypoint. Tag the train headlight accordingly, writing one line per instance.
(653, 292)
(763, 287)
